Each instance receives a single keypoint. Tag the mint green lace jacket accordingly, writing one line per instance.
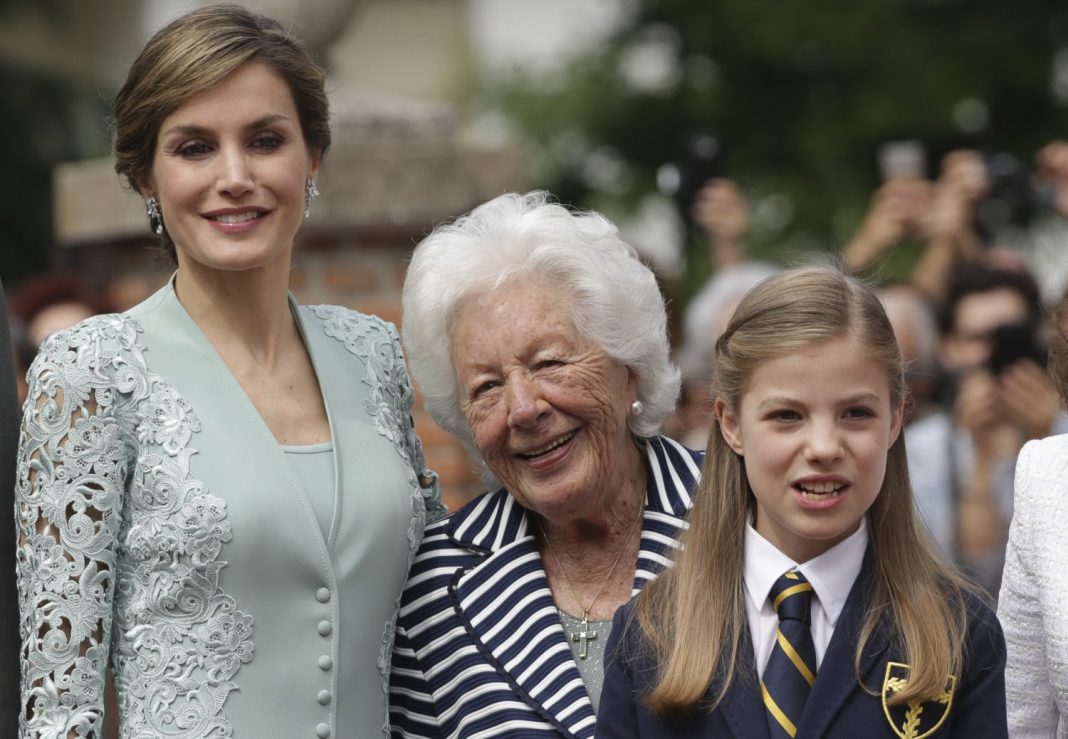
(162, 531)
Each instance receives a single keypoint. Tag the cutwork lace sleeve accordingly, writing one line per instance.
(428, 479)
(72, 467)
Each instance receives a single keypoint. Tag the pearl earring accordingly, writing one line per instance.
(155, 217)
(636, 408)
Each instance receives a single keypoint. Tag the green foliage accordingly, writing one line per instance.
(800, 93)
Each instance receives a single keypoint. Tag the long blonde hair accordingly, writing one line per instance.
(694, 617)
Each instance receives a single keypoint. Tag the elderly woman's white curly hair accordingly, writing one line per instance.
(614, 298)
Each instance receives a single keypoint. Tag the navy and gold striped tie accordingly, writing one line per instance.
(791, 668)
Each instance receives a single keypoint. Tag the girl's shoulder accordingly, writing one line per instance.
(985, 648)
(981, 612)
(628, 645)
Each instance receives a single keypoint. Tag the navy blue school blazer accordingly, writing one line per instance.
(838, 705)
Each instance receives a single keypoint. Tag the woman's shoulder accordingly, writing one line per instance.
(95, 367)
(470, 534)
(1042, 470)
(107, 333)
(371, 339)
(347, 323)
(96, 338)
(480, 518)
(448, 546)
(100, 325)
(436, 550)
(1050, 453)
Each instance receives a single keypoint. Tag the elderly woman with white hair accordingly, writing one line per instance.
(539, 339)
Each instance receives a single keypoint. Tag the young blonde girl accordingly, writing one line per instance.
(912, 653)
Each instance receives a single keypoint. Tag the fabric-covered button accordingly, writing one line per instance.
(323, 697)
(325, 628)
(326, 662)
(323, 595)
(322, 731)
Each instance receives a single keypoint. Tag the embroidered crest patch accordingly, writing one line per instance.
(915, 719)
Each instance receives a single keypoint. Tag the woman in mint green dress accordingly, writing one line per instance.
(219, 491)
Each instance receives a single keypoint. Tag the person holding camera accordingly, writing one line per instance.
(1045, 236)
(940, 213)
(915, 325)
(1035, 580)
(1000, 399)
(1051, 173)
(721, 212)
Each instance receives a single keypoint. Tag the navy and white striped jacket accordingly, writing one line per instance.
(479, 648)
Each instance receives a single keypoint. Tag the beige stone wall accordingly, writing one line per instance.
(406, 47)
(88, 41)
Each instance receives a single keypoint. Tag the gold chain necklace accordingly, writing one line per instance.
(585, 635)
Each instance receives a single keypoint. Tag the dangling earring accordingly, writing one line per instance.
(311, 192)
(636, 408)
(155, 218)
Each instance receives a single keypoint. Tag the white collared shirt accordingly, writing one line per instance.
(831, 574)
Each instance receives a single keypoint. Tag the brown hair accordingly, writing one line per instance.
(693, 616)
(191, 54)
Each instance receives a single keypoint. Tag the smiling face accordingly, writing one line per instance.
(229, 172)
(547, 408)
(814, 428)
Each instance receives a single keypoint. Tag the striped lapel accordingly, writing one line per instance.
(672, 471)
(507, 608)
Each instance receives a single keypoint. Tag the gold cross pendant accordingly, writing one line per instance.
(584, 636)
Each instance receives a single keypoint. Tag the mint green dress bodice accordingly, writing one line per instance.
(313, 465)
(162, 528)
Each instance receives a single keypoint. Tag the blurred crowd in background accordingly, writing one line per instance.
(967, 243)
(972, 321)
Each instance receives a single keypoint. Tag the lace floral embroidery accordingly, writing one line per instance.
(391, 398)
(389, 403)
(119, 549)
